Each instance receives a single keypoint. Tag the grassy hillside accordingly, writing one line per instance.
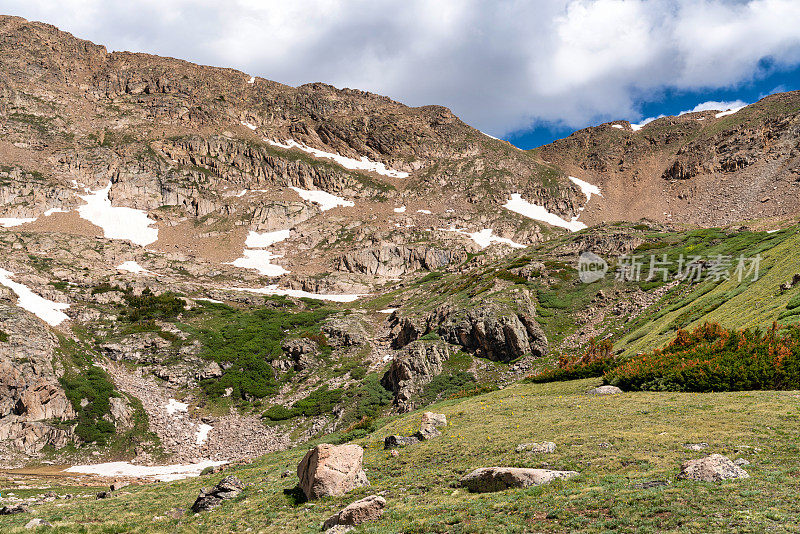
(614, 442)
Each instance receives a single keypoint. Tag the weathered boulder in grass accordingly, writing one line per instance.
(604, 390)
(329, 470)
(488, 479)
(429, 428)
(367, 509)
(37, 522)
(14, 509)
(537, 448)
(395, 441)
(228, 488)
(714, 468)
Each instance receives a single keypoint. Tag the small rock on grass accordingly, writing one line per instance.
(712, 468)
(604, 390)
(37, 522)
(367, 509)
(228, 488)
(696, 446)
(537, 448)
(487, 479)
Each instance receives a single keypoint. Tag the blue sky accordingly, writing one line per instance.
(529, 71)
(669, 102)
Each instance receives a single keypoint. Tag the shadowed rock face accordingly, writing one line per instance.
(228, 488)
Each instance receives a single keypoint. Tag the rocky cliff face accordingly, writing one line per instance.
(31, 398)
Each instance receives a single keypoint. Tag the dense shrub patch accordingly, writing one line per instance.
(3, 337)
(711, 358)
(149, 307)
(320, 401)
(446, 385)
(246, 343)
(96, 387)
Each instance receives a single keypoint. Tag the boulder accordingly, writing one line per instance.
(394, 442)
(228, 488)
(118, 485)
(37, 522)
(487, 479)
(537, 448)
(345, 331)
(429, 428)
(104, 495)
(604, 390)
(302, 351)
(14, 509)
(712, 468)
(367, 509)
(696, 446)
(331, 470)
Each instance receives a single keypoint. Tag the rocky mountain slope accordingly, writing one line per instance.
(201, 265)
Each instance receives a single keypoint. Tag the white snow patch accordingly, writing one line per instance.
(213, 301)
(173, 406)
(46, 310)
(202, 433)
(117, 222)
(587, 188)
(388, 310)
(163, 473)
(249, 125)
(364, 164)
(493, 137)
(266, 239)
(773, 231)
(485, 237)
(401, 209)
(241, 193)
(51, 211)
(8, 222)
(325, 200)
(425, 212)
(261, 261)
(539, 213)
(133, 267)
(388, 358)
(729, 111)
(617, 126)
(252, 79)
(273, 290)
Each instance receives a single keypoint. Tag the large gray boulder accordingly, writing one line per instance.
(713, 468)
(367, 509)
(488, 479)
(329, 470)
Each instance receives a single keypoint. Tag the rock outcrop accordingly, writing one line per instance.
(331, 470)
(488, 479)
(30, 393)
(416, 366)
(395, 260)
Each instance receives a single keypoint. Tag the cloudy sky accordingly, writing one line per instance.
(525, 71)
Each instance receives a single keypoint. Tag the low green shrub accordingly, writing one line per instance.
(597, 358)
(96, 387)
(149, 307)
(3, 337)
(446, 384)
